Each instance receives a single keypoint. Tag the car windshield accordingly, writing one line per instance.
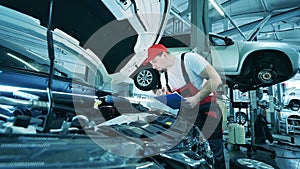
(12, 59)
(24, 47)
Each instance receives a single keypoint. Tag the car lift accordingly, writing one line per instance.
(254, 109)
(253, 116)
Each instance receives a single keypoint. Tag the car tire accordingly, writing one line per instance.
(294, 105)
(249, 163)
(146, 79)
(241, 118)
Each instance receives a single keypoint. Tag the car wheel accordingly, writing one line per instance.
(294, 105)
(249, 163)
(241, 118)
(264, 68)
(146, 79)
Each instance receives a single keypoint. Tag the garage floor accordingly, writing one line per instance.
(286, 154)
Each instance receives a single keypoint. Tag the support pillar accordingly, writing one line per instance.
(200, 28)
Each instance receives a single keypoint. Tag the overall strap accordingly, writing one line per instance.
(188, 82)
(167, 84)
(184, 73)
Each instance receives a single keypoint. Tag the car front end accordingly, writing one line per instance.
(74, 116)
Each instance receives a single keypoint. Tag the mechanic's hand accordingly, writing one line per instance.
(162, 91)
(190, 102)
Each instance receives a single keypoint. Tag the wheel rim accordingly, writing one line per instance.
(266, 75)
(144, 78)
(251, 163)
(241, 119)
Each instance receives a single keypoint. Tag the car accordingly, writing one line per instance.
(289, 121)
(286, 113)
(122, 37)
(291, 100)
(119, 32)
(291, 95)
(244, 65)
(62, 109)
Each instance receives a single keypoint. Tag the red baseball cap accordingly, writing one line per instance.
(153, 51)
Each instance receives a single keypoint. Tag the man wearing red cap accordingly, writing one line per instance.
(196, 80)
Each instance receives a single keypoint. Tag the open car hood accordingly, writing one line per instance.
(67, 122)
(117, 31)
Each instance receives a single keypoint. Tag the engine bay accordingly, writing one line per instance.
(87, 128)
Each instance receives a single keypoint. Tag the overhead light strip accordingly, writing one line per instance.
(217, 7)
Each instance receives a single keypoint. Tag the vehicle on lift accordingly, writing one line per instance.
(244, 65)
(68, 115)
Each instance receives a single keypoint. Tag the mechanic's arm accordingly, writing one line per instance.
(213, 81)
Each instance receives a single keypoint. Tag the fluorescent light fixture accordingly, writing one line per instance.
(217, 7)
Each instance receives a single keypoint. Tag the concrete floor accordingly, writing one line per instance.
(286, 154)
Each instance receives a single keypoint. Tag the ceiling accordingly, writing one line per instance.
(284, 24)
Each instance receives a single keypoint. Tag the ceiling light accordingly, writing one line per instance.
(217, 7)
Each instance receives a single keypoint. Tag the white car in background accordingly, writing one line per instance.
(246, 65)
(291, 99)
(289, 121)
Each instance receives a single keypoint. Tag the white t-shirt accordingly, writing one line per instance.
(194, 65)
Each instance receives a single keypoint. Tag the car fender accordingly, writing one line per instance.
(246, 48)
